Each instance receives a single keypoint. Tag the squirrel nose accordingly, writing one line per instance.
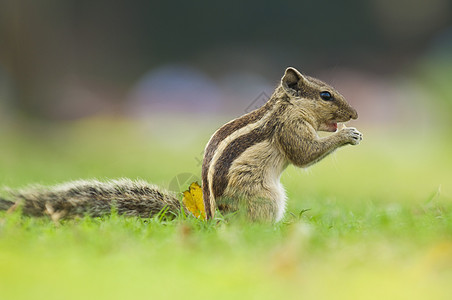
(354, 114)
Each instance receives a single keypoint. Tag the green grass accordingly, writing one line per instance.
(370, 222)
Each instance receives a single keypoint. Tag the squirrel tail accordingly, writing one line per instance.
(95, 198)
(5, 204)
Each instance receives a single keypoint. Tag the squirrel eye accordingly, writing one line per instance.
(326, 96)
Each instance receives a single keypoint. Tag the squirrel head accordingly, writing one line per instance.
(315, 101)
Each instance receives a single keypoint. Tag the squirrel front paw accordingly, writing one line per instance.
(351, 135)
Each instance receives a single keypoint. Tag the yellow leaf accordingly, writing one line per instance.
(193, 200)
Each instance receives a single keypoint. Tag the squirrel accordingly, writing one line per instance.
(242, 164)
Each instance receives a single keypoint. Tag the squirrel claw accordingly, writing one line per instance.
(353, 136)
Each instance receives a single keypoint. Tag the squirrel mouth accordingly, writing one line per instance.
(332, 127)
(329, 127)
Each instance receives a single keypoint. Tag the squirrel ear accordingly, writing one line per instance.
(292, 80)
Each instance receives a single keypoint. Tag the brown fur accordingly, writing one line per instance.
(219, 136)
(242, 164)
(246, 160)
(95, 198)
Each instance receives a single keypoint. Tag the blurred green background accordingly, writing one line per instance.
(107, 89)
(172, 73)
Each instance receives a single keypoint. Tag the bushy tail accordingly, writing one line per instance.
(95, 198)
(5, 204)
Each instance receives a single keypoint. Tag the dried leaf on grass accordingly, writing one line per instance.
(194, 202)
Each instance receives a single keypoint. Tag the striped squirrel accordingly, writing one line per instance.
(242, 164)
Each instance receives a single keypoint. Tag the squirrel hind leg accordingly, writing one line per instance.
(254, 209)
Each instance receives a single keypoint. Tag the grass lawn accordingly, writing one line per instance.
(369, 222)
